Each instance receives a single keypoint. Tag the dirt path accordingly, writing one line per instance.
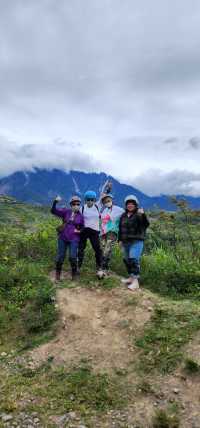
(99, 326)
(95, 325)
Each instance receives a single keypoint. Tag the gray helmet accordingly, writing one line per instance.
(131, 198)
(74, 199)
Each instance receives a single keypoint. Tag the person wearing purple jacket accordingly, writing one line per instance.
(68, 234)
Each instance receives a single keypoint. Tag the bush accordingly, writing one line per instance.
(163, 420)
(161, 272)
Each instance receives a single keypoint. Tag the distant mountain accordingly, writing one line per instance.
(41, 186)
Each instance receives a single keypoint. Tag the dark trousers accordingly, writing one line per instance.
(93, 236)
(63, 246)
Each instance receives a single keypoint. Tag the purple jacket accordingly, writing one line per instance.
(75, 221)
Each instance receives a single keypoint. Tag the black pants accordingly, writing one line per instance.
(93, 236)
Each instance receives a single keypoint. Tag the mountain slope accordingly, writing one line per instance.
(41, 186)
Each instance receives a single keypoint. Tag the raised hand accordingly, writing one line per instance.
(58, 198)
(141, 211)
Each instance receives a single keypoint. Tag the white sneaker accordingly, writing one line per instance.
(100, 273)
(134, 285)
(126, 281)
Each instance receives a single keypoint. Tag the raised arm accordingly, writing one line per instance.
(106, 189)
(143, 218)
(59, 212)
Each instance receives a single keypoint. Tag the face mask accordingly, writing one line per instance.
(75, 208)
(108, 204)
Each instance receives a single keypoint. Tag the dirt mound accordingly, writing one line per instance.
(95, 325)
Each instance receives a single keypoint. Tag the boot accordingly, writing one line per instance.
(134, 267)
(127, 265)
(128, 280)
(74, 269)
(58, 271)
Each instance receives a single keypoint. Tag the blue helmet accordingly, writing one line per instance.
(90, 194)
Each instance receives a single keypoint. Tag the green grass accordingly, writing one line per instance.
(170, 269)
(191, 366)
(61, 390)
(90, 280)
(27, 303)
(162, 419)
(170, 327)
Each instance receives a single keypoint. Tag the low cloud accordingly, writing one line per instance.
(69, 155)
(56, 154)
(155, 182)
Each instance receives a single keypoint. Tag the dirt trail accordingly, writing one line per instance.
(99, 326)
(96, 325)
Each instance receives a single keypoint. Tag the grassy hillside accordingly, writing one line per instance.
(93, 354)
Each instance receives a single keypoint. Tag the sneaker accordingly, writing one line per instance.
(126, 281)
(105, 273)
(134, 285)
(100, 273)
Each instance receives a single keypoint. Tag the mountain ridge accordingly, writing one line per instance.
(40, 186)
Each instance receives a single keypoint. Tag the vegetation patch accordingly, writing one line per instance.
(170, 328)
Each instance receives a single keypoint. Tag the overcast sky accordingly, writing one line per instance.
(103, 85)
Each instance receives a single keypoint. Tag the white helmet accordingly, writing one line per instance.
(131, 198)
(75, 199)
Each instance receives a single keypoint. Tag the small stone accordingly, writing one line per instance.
(3, 354)
(176, 391)
(36, 420)
(150, 309)
(6, 418)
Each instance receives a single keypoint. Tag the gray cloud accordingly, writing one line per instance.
(118, 80)
(156, 182)
(100, 56)
(194, 143)
(51, 155)
(171, 140)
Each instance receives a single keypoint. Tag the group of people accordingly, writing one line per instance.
(104, 224)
